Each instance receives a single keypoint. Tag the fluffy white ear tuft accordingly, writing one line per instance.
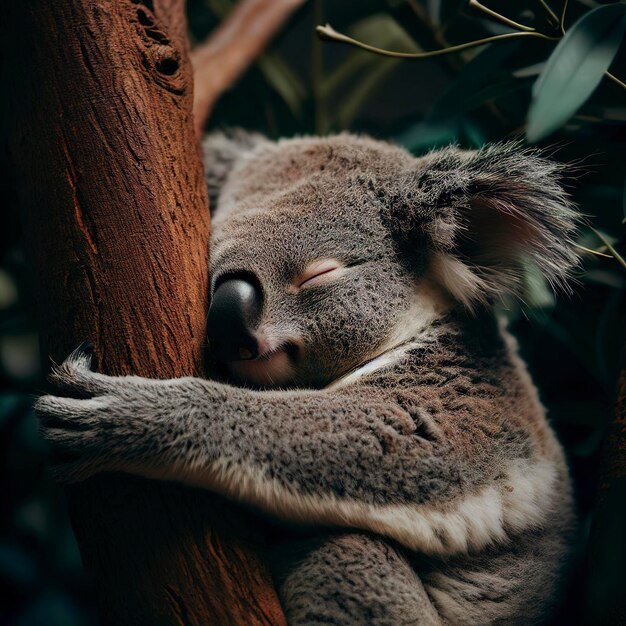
(487, 214)
(458, 280)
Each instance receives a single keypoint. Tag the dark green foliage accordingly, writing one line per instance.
(302, 85)
(575, 69)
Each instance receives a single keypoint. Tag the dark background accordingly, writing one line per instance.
(302, 85)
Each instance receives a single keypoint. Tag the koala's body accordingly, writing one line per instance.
(370, 392)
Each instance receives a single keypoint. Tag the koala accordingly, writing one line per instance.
(366, 394)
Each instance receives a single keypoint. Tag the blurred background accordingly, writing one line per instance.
(303, 85)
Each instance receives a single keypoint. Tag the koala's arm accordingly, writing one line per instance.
(315, 456)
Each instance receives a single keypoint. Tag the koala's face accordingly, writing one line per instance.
(329, 290)
(327, 252)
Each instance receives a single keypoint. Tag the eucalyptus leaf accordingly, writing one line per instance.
(354, 101)
(530, 70)
(451, 9)
(424, 136)
(575, 68)
(284, 81)
(434, 10)
(357, 78)
(474, 136)
(506, 85)
(474, 78)
(604, 277)
(592, 442)
(380, 30)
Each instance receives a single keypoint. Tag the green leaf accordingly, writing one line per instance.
(473, 135)
(380, 30)
(276, 71)
(505, 86)
(434, 10)
(474, 82)
(284, 81)
(606, 278)
(451, 9)
(356, 79)
(423, 136)
(530, 70)
(575, 68)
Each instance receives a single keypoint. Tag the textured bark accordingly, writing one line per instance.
(228, 52)
(116, 222)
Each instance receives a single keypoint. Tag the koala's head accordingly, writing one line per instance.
(326, 252)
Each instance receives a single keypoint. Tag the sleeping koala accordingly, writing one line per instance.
(370, 391)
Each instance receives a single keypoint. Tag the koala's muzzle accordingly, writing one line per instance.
(233, 317)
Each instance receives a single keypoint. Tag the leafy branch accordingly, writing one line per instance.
(521, 31)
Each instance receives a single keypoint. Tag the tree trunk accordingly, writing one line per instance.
(116, 222)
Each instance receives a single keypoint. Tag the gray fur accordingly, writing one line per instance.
(404, 414)
(355, 579)
(219, 152)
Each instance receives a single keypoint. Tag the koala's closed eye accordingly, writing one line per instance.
(319, 272)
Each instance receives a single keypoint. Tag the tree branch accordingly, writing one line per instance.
(230, 50)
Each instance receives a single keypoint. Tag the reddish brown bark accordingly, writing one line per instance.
(116, 221)
(228, 52)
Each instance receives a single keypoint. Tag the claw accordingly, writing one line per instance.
(86, 347)
(74, 374)
(81, 357)
(73, 413)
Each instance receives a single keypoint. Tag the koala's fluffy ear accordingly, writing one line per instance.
(483, 214)
(220, 151)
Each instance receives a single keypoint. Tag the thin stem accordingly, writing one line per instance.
(615, 79)
(590, 251)
(563, 12)
(616, 255)
(500, 18)
(436, 32)
(549, 11)
(328, 32)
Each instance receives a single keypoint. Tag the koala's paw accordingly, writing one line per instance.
(98, 427)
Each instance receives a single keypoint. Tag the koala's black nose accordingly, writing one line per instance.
(233, 316)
